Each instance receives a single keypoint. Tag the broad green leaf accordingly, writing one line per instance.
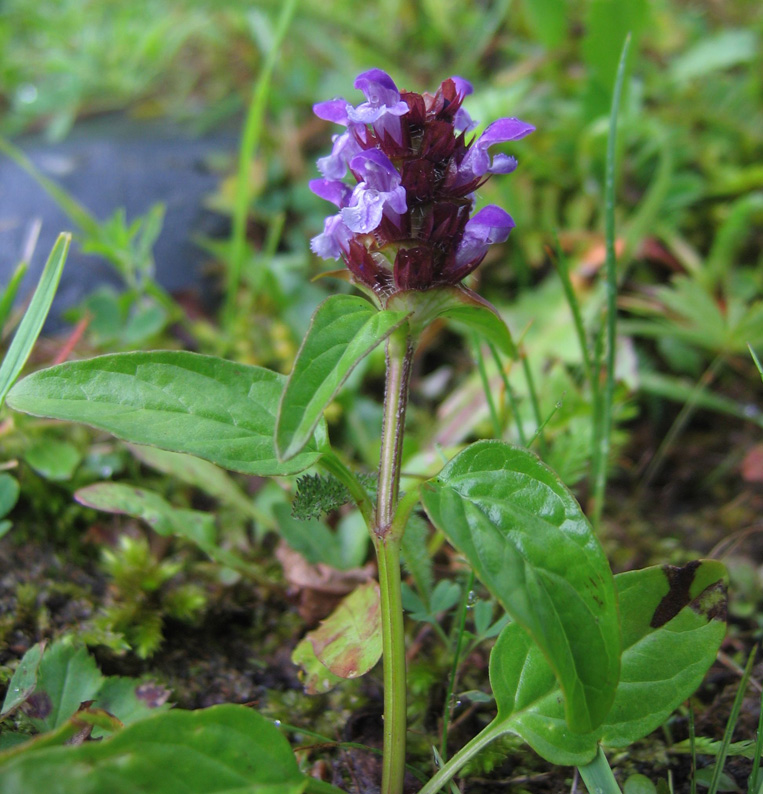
(197, 472)
(179, 401)
(528, 541)
(66, 677)
(349, 641)
(157, 512)
(24, 679)
(221, 750)
(673, 621)
(53, 459)
(9, 493)
(342, 332)
(32, 322)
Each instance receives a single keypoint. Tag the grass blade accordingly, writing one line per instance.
(730, 725)
(249, 142)
(32, 322)
(603, 416)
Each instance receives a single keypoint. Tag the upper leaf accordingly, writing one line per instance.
(343, 331)
(672, 623)
(179, 401)
(529, 542)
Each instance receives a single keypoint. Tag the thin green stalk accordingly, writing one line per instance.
(603, 423)
(736, 708)
(756, 785)
(466, 753)
(249, 142)
(534, 402)
(598, 776)
(686, 412)
(393, 654)
(574, 304)
(509, 395)
(454, 667)
(693, 751)
(387, 536)
(333, 465)
(497, 428)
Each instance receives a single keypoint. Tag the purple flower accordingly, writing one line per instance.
(490, 225)
(383, 108)
(379, 191)
(477, 161)
(406, 223)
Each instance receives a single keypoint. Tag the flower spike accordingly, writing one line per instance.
(407, 223)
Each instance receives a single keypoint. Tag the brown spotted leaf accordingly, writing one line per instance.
(672, 620)
(349, 641)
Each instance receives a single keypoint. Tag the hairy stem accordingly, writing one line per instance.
(387, 536)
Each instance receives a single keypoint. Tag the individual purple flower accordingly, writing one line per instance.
(488, 226)
(407, 225)
(334, 166)
(477, 161)
(384, 106)
(334, 242)
(379, 191)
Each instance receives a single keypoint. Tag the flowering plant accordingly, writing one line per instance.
(407, 223)
(589, 658)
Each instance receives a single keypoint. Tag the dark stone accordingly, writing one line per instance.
(107, 163)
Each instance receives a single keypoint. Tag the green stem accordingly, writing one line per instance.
(393, 654)
(466, 753)
(598, 776)
(333, 465)
(387, 536)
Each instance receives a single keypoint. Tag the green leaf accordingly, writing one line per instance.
(66, 677)
(673, 624)
(157, 512)
(9, 493)
(200, 473)
(221, 750)
(130, 699)
(24, 679)
(349, 641)
(179, 401)
(53, 459)
(32, 322)
(342, 332)
(528, 541)
(310, 537)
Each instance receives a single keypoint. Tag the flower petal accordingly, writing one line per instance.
(490, 225)
(334, 110)
(332, 190)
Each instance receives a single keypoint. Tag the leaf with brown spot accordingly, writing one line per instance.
(349, 641)
(661, 666)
